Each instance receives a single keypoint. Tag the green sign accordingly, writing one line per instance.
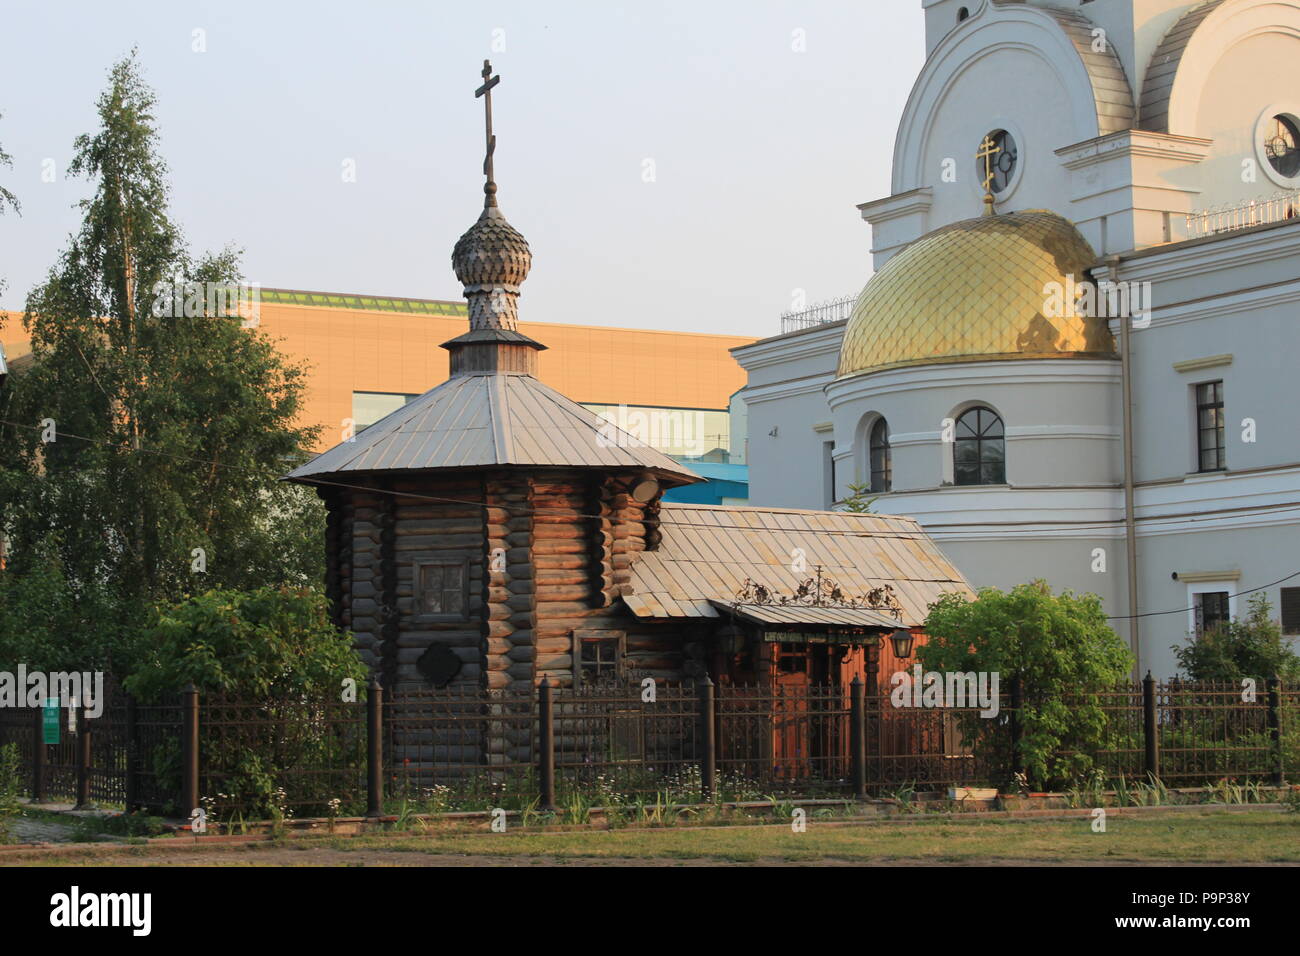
(50, 721)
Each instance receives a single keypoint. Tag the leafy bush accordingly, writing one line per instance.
(256, 644)
(1062, 650)
(1254, 648)
(269, 667)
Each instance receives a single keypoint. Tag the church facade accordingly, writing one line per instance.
(1075, 358)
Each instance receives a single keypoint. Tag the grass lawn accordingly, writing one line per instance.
(1209, 836)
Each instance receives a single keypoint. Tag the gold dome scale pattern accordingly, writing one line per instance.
(975, 290)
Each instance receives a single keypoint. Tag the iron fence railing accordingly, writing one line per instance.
(1243, 215)
(476, 749)
(823, 313)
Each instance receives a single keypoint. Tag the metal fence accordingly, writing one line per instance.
(823, 313)
(476, 749)
(1279, 207)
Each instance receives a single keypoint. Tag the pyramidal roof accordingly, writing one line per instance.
(486, 420)
(492, 412)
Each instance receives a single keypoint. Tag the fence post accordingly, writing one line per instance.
(132, 756)
(546, 743)
(39, 755)
(708, 742)
(1017, 705)
(858, 737)
(375, 749)
(1150, 727)
(83, 761)
(190, 750)
(1275, 729)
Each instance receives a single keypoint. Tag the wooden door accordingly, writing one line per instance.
(791, 740)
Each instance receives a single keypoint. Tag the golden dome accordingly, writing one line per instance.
(976, 290)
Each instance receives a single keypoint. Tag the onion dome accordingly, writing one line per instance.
(492, 254)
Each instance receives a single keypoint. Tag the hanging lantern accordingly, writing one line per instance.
(902, 640)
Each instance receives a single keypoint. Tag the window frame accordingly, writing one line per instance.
(418, 565)
(1220, 447)
(1292, 594)
(887, 472)
(1208, 587)
(583, 636)
(979, 438)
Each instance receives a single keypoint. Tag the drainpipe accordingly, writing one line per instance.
(1130, 523)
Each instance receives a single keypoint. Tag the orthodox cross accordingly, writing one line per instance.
(988, 149)
(485, 91)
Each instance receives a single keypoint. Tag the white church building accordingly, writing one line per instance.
(1149, 454)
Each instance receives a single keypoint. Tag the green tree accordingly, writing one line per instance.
(1061, 649)
(170, 432)
(859, 499)
(1253, 647)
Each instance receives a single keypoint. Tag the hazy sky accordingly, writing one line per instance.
(760, 152)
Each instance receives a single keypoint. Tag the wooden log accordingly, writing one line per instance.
(439, 542)
(554, 609)
(552, 593)
(566, 531)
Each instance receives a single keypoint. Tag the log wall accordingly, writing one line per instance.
(547, 553)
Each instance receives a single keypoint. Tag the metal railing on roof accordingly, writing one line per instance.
(1243, 215)
(834, 310)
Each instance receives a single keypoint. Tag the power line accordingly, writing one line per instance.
(1184, 610)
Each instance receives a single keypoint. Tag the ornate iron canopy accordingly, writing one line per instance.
(820, 591)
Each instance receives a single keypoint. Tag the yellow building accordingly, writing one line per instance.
(367, 355)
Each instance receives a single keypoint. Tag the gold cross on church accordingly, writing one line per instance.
(485, 91)
(988, 149)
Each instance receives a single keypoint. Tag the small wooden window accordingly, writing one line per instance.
(1291, 610)
(597, 656)
(443, 589)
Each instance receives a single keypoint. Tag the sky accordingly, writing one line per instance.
(691, 166)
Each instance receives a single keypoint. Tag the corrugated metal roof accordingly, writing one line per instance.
(804, 614)
(707, 552)
(473, 421)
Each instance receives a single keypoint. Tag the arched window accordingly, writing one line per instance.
(882, 461)
(979, 453)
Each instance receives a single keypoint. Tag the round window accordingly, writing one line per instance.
(1282, 144)
(996, 161)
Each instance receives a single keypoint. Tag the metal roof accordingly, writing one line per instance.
(806, 614)
(1111, 91)
(707, 552)
(1158, 84)
(475, 421)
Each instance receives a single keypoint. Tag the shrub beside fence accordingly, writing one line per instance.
(473, 749)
